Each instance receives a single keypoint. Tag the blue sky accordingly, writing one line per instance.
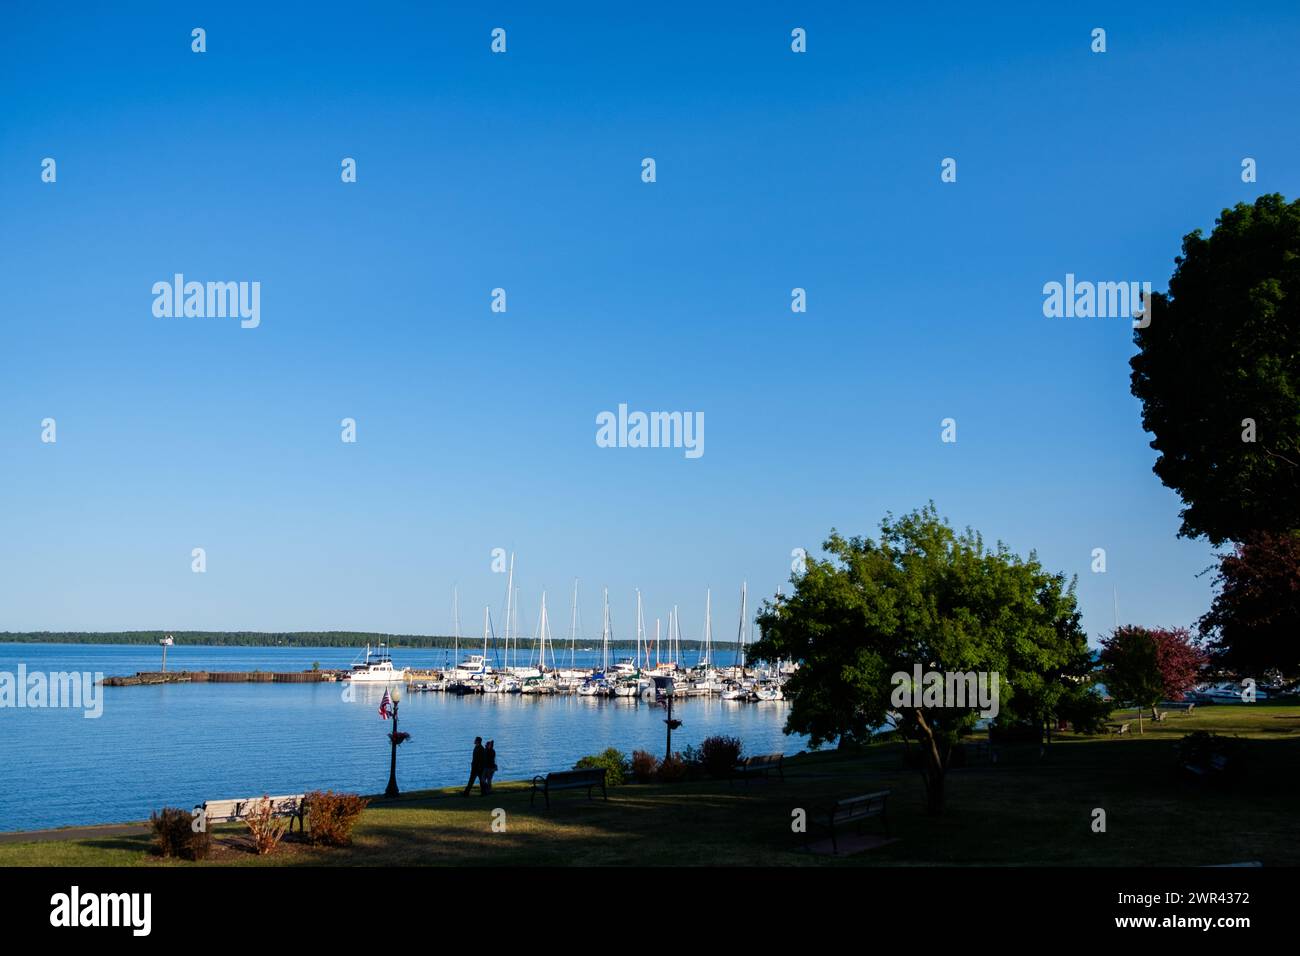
(522, 171)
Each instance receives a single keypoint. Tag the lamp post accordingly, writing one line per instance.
(392, 765)
(672, 724)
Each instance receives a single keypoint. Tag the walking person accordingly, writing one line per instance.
(476, 767)
(489, 766)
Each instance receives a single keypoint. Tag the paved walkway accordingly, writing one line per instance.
(76, 833)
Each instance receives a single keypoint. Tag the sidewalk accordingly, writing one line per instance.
(76, 833)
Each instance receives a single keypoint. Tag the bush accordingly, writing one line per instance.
(1016, 732)
(719, 754)
(173, 834)
(267, 829)
(1197, 748)
(644, 766)
(694, 766)
(1087, 713)
(612, 760)
(672, 769)
(332, 816)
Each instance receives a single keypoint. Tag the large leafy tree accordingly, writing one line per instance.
(1143, 666)
(1254, 623)
(922, 594)
(1222, 347)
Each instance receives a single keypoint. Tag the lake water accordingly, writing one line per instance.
(179, 744)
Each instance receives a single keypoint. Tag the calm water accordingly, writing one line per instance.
(179, 744)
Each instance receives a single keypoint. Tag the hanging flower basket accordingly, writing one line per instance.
(400, 737)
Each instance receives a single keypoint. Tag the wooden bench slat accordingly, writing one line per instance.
(584, 779)
(759, 766)
(292, 805)
(850, 810)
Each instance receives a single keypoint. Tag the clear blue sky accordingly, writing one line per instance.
(477, 430)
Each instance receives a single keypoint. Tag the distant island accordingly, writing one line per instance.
(298, 639)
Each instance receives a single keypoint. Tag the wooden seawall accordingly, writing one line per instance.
(222, 677)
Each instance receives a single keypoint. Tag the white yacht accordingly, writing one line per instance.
(732, 690)
(376, 669)
(594, 687)
(475, 665)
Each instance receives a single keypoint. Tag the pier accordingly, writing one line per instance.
(738, 684)
(223, 677)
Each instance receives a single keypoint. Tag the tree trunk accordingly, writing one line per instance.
(932, 767)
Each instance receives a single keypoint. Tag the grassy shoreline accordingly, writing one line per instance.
(1021, 811)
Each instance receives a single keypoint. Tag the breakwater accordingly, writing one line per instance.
(221, 677)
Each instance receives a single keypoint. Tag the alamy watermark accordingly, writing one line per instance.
(75, 908)
(211, 300)
(956, 689)
(39, 689)
(1100, 300)
(651, 430)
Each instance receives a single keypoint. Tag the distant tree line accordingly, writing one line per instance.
(289, 639)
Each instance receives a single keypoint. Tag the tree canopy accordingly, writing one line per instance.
(1253, 625)
(1144, 666)
(923, 594)
(1218, 374)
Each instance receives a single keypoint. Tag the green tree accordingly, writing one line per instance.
(1142, 666)
(1218, 374)
(922, 594)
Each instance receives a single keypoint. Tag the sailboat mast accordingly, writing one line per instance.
(640, 629)
(657, 620)
(740, 630)
(455, 617)
(573, 628)
(604, 636)
(676, 636)
(514, 627)
(510, 596)
(708, 626)
(542, 626)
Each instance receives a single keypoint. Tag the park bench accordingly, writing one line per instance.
(1215, 767)
(1185, 706)
(568, 780)
(758, 767)
(293, 806)
(976, 751)
(1117, 729)
(841, 813)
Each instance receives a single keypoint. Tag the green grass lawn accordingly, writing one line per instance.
(1022, 810)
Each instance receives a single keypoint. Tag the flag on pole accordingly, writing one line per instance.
(383, 705)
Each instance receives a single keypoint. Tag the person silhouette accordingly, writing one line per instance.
(489, 767)
(475, 767)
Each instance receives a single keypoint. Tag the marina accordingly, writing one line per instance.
(656, 669)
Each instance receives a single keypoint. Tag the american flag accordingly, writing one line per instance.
(383, 705)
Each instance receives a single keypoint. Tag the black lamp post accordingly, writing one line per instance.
(672, 724)
(392, 765)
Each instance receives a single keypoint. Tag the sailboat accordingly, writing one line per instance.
(596, 685)
(475, 667)
(541, 682)
(572, 676)
(629, 682)
(706, 675)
